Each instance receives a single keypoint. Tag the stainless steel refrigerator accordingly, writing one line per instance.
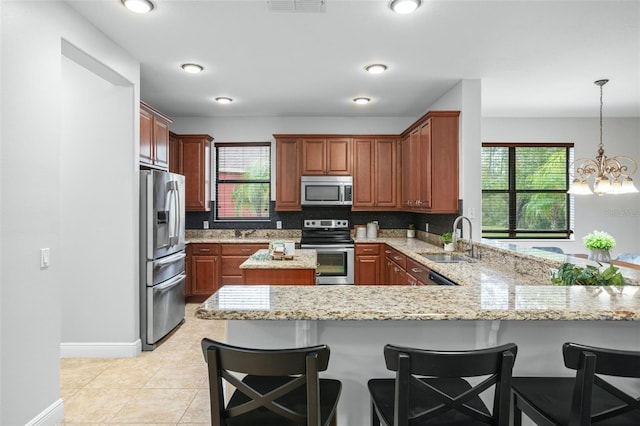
(162, 255)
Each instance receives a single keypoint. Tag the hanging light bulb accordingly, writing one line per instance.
(612, 174)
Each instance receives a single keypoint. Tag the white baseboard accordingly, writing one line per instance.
(100, 350)
(51, 416)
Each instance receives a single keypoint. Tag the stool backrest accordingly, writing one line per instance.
(589, 361)
(496, 362)
(302, 364)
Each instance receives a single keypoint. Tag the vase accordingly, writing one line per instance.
(411, 233)
(448, 247)
(600, 255)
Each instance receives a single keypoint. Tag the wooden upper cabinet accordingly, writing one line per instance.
(430, 174)
(326, 156)
(288, 174)
(174, 153)
(194, 157)
(154, 137)
(375, 165)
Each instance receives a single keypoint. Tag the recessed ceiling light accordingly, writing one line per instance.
(376, 68)
(138, 6)
(404, 6)
(223, 100)
(192, 68)
(362, 100)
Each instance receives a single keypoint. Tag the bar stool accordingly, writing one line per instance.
(281, 386)
(444, 397)
(576, 401)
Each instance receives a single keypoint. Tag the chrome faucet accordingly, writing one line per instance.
(470, 248)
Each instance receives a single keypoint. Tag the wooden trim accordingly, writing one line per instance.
(154, 111)
(425, 117)
(195, 136)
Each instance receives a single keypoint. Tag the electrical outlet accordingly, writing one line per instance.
(426, 227)
(278, 224)
(205, 224)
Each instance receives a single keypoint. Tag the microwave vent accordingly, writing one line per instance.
(300, 6)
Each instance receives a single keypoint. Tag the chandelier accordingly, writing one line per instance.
(611, 174)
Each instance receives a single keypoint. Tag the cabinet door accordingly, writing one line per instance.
(445, 164)
(146, 137)
(313, 157)
(386, 183)
(364, 181)
(204, 275)
(338, 157)
(161, 143)
(174, 154)
(424, 171)
(367, 270)
(411, 169)
(195, 159)
(288, 175)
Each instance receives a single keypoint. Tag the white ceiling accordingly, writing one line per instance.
(535, 58)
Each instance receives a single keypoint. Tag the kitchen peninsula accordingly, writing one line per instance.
(504, 297)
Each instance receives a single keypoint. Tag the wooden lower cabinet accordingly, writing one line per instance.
(395, 267)
(231, 257)
(203, 271)
(417, 273)
(369, 264)
(280, 276)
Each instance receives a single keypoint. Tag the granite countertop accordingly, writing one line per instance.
(508, 283)
(303, 259)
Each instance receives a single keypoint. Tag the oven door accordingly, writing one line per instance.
(335, 263)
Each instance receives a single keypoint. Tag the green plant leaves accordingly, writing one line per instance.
(570, 274)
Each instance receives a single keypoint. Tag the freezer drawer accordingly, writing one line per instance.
(162, 269)
(165, 308)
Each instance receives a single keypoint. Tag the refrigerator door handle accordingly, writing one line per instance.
(171, 283)
(174, 198)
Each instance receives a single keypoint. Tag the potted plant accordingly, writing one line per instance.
(411, 232)
(569, 274)
(599, 243)
(448, 243)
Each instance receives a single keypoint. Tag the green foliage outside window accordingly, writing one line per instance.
(524, 191)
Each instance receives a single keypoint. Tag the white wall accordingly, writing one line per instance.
(103, 267)
(466, 98)
(31, 211)
(617, 214)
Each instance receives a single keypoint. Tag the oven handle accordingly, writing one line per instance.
(326, 246)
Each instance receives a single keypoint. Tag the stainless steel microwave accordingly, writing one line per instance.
(326, 190)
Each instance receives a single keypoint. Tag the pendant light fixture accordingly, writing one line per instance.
(612, 175)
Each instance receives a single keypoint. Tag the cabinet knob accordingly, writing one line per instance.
(415, 270)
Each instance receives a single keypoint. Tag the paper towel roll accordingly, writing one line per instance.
(372, 230)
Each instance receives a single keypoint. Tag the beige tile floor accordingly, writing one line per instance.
(167, 386)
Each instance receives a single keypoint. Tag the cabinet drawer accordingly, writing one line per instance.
(203, 248)
(241, 249)
(367, 249)
(397, 257)
(418, 271)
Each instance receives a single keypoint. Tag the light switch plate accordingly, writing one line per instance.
(44, 257)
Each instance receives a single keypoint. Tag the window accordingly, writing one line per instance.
(524, 190)
(243, 181)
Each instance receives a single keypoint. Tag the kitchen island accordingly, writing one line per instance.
(295, 269)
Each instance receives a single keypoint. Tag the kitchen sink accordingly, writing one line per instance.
(446, 258)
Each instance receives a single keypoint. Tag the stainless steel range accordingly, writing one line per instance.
(331, 238)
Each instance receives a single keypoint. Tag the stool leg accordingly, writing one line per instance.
(517, 412)
(375, 421)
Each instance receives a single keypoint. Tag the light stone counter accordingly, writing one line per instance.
(503, 297)
(303, 259)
